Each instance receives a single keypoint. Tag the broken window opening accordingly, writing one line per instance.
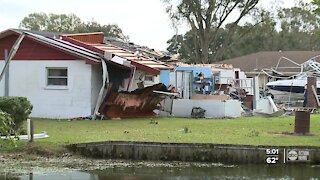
(149, 78)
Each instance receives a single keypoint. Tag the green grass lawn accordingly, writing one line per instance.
(245, 130)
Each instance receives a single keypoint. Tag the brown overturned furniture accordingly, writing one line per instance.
(138, 103)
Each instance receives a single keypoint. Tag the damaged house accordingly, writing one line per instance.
(190, 91)
(82, 75)
(66, 77)
(145, 73)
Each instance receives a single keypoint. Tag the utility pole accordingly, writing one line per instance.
(13, 52)
(30, 130)
(6, 80)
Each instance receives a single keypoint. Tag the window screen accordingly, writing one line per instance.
(57, 76)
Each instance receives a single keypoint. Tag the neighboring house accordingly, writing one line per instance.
(61, 79)
(253, 64)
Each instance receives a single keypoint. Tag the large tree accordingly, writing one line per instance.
(206, 18)
(109, 30)
(299, 28)
(51, 22)
(317, 4)
(68, 23)
(261, 35)
(287, 29)
(187, 45)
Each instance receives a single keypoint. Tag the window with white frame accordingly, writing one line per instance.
(149, 78)
(57, 76)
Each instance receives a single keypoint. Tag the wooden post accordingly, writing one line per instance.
(31, 176)
(30, 130)
(315, 95)
(311, 100)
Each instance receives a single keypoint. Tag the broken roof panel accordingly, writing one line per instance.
(141, 62)
(132, 57)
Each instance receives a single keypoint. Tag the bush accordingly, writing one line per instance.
(6, 124)
(18, 107)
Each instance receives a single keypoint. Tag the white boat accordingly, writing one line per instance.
(293, 89)
(289, 90)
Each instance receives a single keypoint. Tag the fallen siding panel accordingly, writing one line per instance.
(232, 108)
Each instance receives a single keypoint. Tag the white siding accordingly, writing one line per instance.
(28, 78)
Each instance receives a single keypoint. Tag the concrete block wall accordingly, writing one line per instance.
(190, 152)
(214, 108)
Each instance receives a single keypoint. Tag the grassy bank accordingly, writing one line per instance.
(245, 130)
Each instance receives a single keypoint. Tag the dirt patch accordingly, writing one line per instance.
(290, 133)
(38, 150)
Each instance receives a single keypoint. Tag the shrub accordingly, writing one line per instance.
(18, 107)
(253, 133)
(6, 124)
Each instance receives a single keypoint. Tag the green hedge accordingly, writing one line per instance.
(18, 107)
(6, 124)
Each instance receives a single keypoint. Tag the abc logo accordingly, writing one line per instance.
(292, 155)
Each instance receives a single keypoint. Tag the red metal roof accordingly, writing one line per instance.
(32, 50)
(141, 62)
(34, 47)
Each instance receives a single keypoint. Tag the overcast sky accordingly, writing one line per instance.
(144, 21)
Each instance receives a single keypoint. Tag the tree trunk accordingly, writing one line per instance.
(205, 51)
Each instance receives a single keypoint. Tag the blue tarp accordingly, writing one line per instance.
(165, 77)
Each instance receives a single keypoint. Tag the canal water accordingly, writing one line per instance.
(253, 172)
